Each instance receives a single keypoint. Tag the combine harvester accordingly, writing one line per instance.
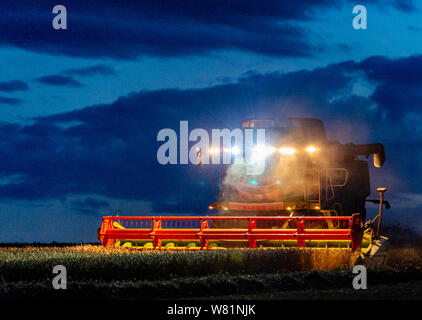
(312, 194)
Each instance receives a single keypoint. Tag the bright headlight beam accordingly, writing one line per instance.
(214, 150)
(287, 151)
(311, 149)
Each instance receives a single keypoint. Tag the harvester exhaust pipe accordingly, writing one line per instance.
(377, 149)
(381, 192)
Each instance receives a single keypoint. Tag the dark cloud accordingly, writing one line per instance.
(344, 47)
(403, 5)
(14, 85)
(400, 5)
(89, 205)
(111, 149)
(184, 205)
(129, 29)
(166, 28)
(414, 28)
(10, 101)
(99, 69)
(58, 80)
(387, 70)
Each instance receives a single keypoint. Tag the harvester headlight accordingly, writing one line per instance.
(287, 151)
(311, 149)
(214, 150)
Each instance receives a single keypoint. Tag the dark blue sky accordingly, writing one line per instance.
(80, 108)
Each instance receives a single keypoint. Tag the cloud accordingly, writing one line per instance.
(414, 28)
(406, 6)
(168, 28)
(14, 85)
(344, 47)
(88, 205)
(10, 101)
(410, 200)
(110, 149)
(99, 69)
(58, 80)
(132, 29)
(403, 5)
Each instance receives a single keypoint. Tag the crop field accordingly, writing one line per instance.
(95, 272)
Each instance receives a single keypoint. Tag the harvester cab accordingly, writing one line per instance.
(305, 174)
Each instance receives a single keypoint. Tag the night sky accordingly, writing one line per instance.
(80, 108)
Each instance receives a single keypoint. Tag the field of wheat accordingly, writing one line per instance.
(121, 273)
(96, 262)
